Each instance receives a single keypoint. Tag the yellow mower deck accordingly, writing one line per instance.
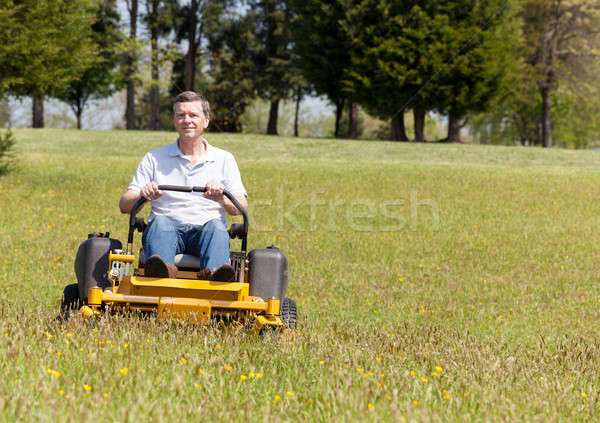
(191, 300)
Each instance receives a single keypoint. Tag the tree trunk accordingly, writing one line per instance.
(296, 115)
(154, 94)
(190, 57)
(398, 128)
(454, 127)
(131, 66)
(273, 115)
(353, 121)
(339, 108)
(546, 117)
(37, 112)
(78, 114)
(419, 118)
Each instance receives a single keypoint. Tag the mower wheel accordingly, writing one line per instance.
(288, 313)
(70, 301)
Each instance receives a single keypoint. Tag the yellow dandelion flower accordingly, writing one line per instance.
(447, 397)
(259, 375)
(389, 397)
(424, 379)
(105, 395)
(243, 377)
(126, 346)
(289, 394)
(416, 402)
(359, 370)
(583, 395)
(196, 384)
(183, 360)
(61, 392)
(251, 375)
(87, 387)
(69, 334)
(378, 358)
(412, 372)
(370, 406)
(228, 368)
(219, 347)
(434, 374)
(140, 346)
(124, 371)
(200, 371)
(438, 369)
(321, 362)
(276, 398)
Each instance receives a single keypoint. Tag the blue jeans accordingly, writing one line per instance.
(167, 238)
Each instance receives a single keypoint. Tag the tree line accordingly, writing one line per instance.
(511, 71)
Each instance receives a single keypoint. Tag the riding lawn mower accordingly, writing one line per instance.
(108, 281)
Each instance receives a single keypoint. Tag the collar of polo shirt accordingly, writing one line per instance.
(208, 155)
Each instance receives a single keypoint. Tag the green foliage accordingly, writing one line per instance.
(7, 142)
(322, 45)
(451, 56)
(44, 44)
(273, 58)
(102, 77)
(230, 83)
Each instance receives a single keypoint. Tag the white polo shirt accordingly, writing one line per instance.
(168, 166)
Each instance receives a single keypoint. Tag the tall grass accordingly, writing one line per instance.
(434, 282)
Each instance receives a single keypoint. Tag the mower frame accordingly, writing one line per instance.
(185, 297)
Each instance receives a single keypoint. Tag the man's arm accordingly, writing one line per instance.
(149, 192)
(230, 208)
(128, 200)
(214, 191)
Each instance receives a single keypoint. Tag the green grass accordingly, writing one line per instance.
(405, 259)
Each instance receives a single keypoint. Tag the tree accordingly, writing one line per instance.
(131, 64)
(273, 60)
(39, 56)
(190, 23)
(101, 78)
(157, 19)
(229, 83)
(323, 49)
(563, 35)
(7, 155)
(453, 56)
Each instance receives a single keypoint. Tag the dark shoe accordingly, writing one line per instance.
(156, 268)
(225, 273)
(205, 274)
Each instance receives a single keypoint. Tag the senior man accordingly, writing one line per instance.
(190, 223)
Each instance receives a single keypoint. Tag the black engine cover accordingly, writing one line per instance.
(91, 263)
(268, 273)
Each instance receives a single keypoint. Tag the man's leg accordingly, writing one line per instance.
(211, 243)
(162, 238)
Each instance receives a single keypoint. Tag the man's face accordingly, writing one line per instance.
(189, 119)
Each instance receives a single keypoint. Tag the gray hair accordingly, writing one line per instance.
(189, 96)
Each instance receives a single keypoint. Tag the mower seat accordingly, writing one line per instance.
(182, 261)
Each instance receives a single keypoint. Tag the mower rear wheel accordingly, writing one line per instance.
(70, 301)
(288, 313)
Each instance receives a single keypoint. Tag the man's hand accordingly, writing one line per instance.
(151, 191)
(214, 191)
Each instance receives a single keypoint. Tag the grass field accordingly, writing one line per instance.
(434, 283)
